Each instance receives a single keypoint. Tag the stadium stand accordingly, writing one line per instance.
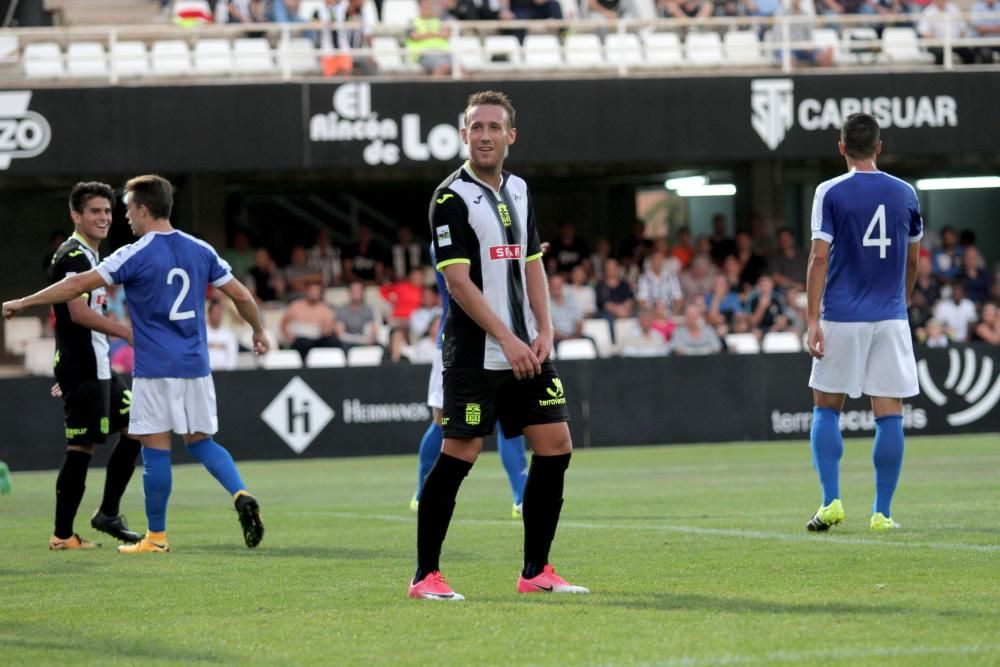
(18, 331)
(577, 348)
(365, 355)
(742, 343)
(326, 357)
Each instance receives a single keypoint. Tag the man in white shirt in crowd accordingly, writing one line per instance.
(222, 345)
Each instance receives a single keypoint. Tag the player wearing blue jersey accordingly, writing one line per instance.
(511, 450)
(866, 231)
(166, 274)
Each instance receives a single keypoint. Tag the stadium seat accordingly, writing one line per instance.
(623, 49)
(781, 341)
(299, 56)
(252, 56)
(39, 354)
(43, 60)
(373, 297)
(900, 45)
(272, 316)
(502, 51)
(17, 331)
(281, 359)
(625, 326)
(365, 355)
(337, 296)
(827, 38)
(8, 48)
(542, 52)
(389, 55)
(129, 59)
(570, 9)
(399, 13)
(86, 59)
(662, 49)
(170, 57)
(584, 51)
(308, 9)
(213, 56)
(245, 361)
(468, 52)
(599, 330)
(742, 343)
(703, 49)
(577, 348)
(326, 357)
(743, 48)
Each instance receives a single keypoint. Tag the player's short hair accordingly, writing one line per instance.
(152, 191)
(860, 136)
(85, 191)
(491, 97)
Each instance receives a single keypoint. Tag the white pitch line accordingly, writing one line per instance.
(691, 530)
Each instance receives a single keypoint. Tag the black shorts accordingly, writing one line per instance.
(475, 399)
(94, 408)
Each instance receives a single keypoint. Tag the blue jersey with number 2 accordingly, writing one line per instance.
(869, 218)
(166, 276)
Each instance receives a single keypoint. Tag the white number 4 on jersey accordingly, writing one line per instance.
(882, 241)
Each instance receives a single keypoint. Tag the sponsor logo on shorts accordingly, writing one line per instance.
(556, 392)
(473, 414)
(126, 402)
(73, 432)
(505, 252)
(105, 425)
(444, 421)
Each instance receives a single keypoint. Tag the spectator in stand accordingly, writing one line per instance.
(683, 250)
(656, 284)
(933, 25)
(536, 9)
(723, 304)
(604, 9)
(427, 41)
(662, 320)
(643, 340)
(796, 303)
(681, 9)
(731, 8)
(987, 27)
(788, 264)
(722, 245)
(298, 274)
(767, 308)
(240, 255)
(945, 257)
(614, 296)
(602, 252)
(339, 43)
(364, 260)
(246, 11)
(693, 338)
(265, 280)
(956, 313)
(926, 284)
(976, 280)
(356, 319)
(430, 307)
(988, 329)
(670, 263)
(310, 322)
(407, 253)
(405, 297)
(567, 320)
(420, 313)
(763, 7)
(424, 349)
(480, 10)
(752, 264)
(699, 279)
(935, 336)
(845, 7)
(323, 257)
(635, 248)
(731, 272)
(568, 250)
(223, 349)
(802, 32)
(582, 292)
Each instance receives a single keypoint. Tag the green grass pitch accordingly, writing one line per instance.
(696, 555)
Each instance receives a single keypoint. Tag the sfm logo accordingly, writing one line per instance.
(963, 381)
(23, 133)
(354, 119)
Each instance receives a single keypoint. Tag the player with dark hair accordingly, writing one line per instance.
(95, 400)
(166, 274)
(497, 342)
(866, 230)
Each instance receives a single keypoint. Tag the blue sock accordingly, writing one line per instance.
(430, 448)
(219, 462)
(514, 462)
(827, 449)
(157, 480)
(887, 455)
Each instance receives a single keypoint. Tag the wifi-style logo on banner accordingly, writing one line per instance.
(963, 381)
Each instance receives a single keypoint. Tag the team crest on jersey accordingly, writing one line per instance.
(504, 214)
(502, 252)
(443, 236)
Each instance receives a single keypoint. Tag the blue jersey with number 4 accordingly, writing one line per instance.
(166, 276)
(869, 218)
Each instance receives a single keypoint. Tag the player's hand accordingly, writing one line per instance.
(260, 344)
(56, 391)
(814, 340)
(521, 358)
(129, 338)
(11, 308)
(542, 346)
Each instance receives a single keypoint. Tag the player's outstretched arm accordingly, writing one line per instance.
(68, 288)
(819, 257)
(522, 360)
(538, 298)
(247, 308)
(81, 313)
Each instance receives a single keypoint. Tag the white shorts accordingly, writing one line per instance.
(871, 358)
(435, 385)
(181, 405)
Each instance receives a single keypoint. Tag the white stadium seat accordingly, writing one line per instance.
(469, 52)
(502, 51)
(308, 9)
(326, 357)
(584, 50)
(388, 54)
(542, 52)
(299, 56)
(170, 57)
(577, 348)
(625, 326)
(623, 49)
(39, 355)
(399, 13)
(86, 59)
(252, 55)
(17, 331)
(742, 343)
(703, 49)
(899, 45)
(43, 60)
(598, 329)
(337, 296)
(365, 355)
(827, 38)
(213, 56)
(663, 49)
(130, 59)
(281, 359)
(781, 341)
(743, 48)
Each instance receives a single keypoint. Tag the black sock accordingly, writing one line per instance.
(437, 502)
(121, 465)
(542, 503)
(70, 485)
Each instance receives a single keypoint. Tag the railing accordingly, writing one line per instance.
(775, 46)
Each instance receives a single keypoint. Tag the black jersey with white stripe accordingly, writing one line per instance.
(494, 233)
(81, 354)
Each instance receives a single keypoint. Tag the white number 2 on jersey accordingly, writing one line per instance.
(176, 314)
(882, 241)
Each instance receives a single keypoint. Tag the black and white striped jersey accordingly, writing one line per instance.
(494, 233)
(81, 354)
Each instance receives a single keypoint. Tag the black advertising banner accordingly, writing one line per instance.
(361, 124)
(375, 411)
